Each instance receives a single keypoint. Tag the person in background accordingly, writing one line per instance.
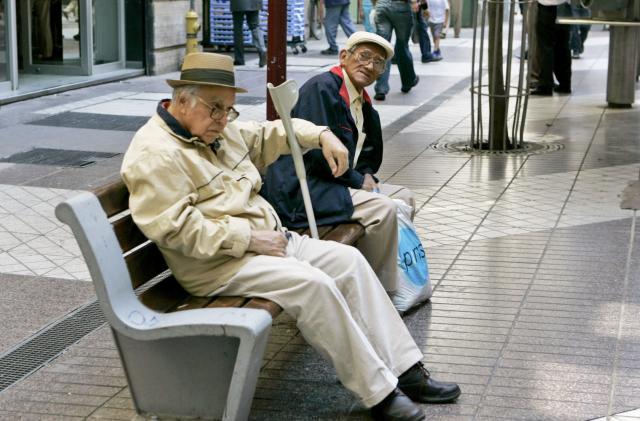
(438, 18)
(455, 19)
(579, 32)
(364, 12)
(396, 16)
(421, 30)
(552, 43)
(251, 10)
(336, 13)
(314, 18)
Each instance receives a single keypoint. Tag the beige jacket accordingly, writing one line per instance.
(198, 206)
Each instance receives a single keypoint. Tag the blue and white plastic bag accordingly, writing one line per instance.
(414, 285)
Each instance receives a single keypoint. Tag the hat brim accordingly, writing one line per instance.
(174, 83)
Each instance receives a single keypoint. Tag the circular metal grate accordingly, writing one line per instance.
(529, 148)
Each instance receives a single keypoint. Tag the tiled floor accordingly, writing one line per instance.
(531, 313)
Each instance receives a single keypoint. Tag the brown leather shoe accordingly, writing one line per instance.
(418, 385)
(397, 407)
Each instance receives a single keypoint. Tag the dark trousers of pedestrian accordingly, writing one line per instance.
(422, 30)
(253, 22)
(397, 17)
(553, 49)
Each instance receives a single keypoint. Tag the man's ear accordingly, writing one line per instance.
(343, 57)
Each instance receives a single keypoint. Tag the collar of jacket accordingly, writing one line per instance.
(174, 126)
(344, 93)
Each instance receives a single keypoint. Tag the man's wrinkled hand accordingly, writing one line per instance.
(369, 184)
(335, 153)
(270, 243)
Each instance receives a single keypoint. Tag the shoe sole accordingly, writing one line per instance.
(420, 417)
(443, 399)
(439, 399)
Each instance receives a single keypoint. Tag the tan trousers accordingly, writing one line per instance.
(455, 17)
(340, 308)
(377, 213)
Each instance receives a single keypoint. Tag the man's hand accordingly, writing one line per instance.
(334, 152)
(369, 184)
(270, 243)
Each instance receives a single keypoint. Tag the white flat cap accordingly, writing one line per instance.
(362, 37)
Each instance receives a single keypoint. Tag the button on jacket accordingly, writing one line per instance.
(199, 205)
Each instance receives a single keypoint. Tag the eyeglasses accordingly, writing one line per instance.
(217, 113)
(365, 57)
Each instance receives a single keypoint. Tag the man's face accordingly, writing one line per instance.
(209, 100)
(363, 64)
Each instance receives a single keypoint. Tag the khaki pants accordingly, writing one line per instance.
(377, 213)
(455, 16)
(340, 308)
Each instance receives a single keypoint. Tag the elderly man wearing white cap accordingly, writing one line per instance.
(193, 174)
(338, 99)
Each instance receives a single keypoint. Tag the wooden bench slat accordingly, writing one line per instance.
(113, 196)
(227, 302)
(260, 303)
(322, 230)
(144, 264)
(192, 302)
(128, 234)
(165, 295)
(345, 233)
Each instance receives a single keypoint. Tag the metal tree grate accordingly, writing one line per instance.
(58, 157)
(46, 345)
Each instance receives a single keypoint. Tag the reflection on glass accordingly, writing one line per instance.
(4, 59)
(55, 31)
(105, 31)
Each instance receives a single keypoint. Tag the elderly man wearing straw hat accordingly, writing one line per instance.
(193, 174)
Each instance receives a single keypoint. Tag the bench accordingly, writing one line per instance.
(184, 356)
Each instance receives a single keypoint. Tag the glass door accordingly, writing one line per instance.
(108, 52)
(71, 37)
(51, 38)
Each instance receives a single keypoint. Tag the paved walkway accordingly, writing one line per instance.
(530, 314)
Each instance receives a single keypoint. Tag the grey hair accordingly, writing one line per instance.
(190, 90)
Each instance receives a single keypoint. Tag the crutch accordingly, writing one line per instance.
(284, 98)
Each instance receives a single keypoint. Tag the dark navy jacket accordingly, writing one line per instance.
(324, 100)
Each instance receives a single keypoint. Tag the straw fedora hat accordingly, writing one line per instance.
(207, 69)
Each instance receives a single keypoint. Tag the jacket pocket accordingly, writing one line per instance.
(212, 188)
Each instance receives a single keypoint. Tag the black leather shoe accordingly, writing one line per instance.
(379, 96)
(262, 61)
(418, 384)
(397, 407)
(238, 63)
(561, 89)
(415, 82)
(542, 92)
(329, 52)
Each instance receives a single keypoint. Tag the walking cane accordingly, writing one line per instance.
(284, 98)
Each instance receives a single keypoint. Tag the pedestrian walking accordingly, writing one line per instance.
(336, 13)
(251, 10)
(396, 16)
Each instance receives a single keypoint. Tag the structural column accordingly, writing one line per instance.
(623, 65)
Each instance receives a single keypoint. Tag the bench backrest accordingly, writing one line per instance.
(109, 270)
